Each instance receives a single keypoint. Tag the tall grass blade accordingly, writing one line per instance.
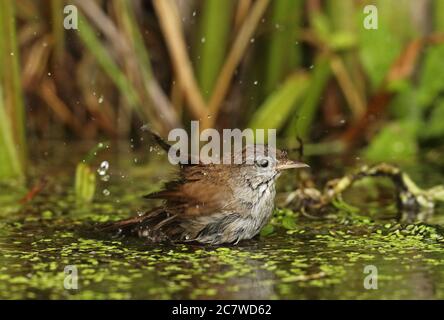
(13, 145)
(108, 65)
(301, 122)
(278, 107)
(284, 53)
(9, 158)
(215, 26)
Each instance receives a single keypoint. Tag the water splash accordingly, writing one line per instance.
(103, 168)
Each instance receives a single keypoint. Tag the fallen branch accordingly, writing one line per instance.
(413, 202)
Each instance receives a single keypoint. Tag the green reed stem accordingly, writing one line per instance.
(215, 25)
(12, 126)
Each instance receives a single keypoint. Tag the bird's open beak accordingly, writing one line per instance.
(290, 164)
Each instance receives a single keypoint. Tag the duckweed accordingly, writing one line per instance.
(294, 257)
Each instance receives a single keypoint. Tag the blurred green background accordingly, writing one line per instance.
(307, 68)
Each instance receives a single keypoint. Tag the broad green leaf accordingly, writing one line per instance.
(431, 83)
(283, 51)
(276, 109)
(289, 222)
(434, 127)
(85, 183)
(395, 143)
(215, 25)
(302, 120)
(378, 49)
(267, 230)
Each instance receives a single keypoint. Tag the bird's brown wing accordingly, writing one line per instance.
(199, 192)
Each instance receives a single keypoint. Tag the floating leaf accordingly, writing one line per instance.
(267, 230)
(289, 222)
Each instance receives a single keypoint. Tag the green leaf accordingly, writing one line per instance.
(12, 111)
(212, 43)
(342, 40)
(276, 109)
(321, 26)
(301, 122)
(395, 143)
(85, 183)
(267, 230)
(405, 104)
(431, 83)
(378, 49)
(105, 60)
(9, 159)
(283, 51)
(289, 222)
(434, 127)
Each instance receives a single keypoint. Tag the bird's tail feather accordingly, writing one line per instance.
(157, 225)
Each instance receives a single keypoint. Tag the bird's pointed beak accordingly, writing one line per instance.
(290, 164)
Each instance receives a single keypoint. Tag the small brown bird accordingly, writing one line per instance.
(213, 203)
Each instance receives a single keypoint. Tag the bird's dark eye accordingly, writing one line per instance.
(263, 163)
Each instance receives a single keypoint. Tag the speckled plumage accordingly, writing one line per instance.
(213, 204)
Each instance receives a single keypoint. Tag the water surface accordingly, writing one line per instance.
(306, 259)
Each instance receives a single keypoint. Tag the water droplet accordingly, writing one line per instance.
(49, 74)
(106, 178)
(100, 99)
(256, 82)
(12, 53)
(104, 166)
(252, 40)
(203, 40)
(194, 13)
(106, 192)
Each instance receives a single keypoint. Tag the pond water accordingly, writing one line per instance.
(306, 259)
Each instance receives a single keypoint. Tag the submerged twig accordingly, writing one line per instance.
(413, 202)
(34, 191)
